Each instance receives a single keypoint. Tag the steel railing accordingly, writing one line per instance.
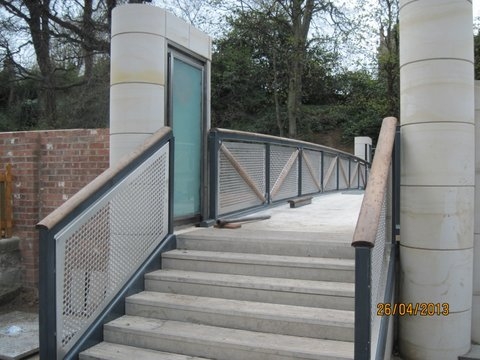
(6, 207)
(249, 170)
(95, 248)
(375, 242)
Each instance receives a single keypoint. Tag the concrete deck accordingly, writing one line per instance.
(328, 213)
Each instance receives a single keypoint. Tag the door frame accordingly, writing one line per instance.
(188, 57)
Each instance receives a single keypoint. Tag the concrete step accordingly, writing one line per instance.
(220, 343)
(280, 266)
(246, 315)
(324, 294)
(267, 242)
(110, 351)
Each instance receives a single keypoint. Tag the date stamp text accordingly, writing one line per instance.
(413, 309)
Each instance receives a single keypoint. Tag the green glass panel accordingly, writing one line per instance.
(187, 123)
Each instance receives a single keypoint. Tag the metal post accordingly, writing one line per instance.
(214, 142)
(267, 173)
(47, 296)
(349, 172)
(300, 156)
(322, 167)
(338, 171)
(362, 302)
(171, 182)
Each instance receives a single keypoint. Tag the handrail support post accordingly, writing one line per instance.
(363, 302)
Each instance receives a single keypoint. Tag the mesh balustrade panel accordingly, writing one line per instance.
(379, 271)
(311, 171)
(330, 172)
(361, 175)
(104, 246)
(283, 181)
(343, 181)
(354, 166)
(234, 191)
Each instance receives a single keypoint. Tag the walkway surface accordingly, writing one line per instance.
(329, 213)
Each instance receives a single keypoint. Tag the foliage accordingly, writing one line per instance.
(268, 68)
(477, 54)
(68, 80)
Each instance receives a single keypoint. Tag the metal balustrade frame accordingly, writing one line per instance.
(281, 169)
(71, 316)
(376, 246)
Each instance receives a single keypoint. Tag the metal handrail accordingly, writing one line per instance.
(367, 230)
(67, 225)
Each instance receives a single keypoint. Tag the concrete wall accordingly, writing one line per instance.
(141, 35)
(48, 167)
(437, 177)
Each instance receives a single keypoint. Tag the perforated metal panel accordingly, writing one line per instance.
(105, 245)
(283, 172)
(330, 172)
(379, 270)
(311, 171)
(354, 176)
(362, 177)
(343, 178)
(235, 191)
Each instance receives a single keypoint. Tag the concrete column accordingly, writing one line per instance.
(363, 147)
(138, 72)
(476, 248)
(437, 177)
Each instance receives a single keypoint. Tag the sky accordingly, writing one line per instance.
(476, 8)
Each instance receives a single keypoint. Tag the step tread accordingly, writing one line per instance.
(272, 260)
(280, 312)
(110, 351)
(208, 336)
(322, 238)
(255, 282)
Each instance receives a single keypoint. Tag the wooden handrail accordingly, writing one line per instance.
(368, 219)
(6, 211)
(103, 179)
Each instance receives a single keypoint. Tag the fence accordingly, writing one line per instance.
(376, 248)
(251, 170)
(98, 244)
(6, 212)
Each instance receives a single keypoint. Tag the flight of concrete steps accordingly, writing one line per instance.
(241, 295)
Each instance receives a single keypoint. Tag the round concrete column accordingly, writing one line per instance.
(137, 96)
(476, 247)
(437, 177)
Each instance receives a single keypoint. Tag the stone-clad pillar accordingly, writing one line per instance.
(437, 177)
(363, 147)
(476, 248)
(137, 80)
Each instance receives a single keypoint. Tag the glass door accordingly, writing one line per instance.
(186, 117)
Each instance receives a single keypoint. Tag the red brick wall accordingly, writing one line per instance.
(48, 167)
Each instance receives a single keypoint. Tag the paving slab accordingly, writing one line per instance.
(18, 335)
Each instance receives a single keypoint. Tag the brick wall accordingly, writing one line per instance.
(48, 167)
